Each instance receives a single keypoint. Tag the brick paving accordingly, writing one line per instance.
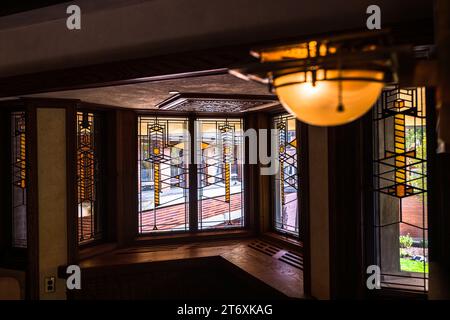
(172, 216)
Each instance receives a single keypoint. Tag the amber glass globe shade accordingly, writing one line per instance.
(318, 104)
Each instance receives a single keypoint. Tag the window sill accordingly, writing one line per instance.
(95, 249)
(192, 236)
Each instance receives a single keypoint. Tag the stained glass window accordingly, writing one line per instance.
(88, 177)
(19, 180)
(286, 217)
(219, 144)
(400, 185)
(163, 174)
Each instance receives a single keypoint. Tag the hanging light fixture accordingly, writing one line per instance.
(326, 82)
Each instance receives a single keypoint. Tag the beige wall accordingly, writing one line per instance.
(319, 212)
(51, 140)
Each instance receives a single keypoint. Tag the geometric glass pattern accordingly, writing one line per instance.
(88, 171)
(286, 218)
(19, 180)
(219, 150)
(163, 170)
(400, 188)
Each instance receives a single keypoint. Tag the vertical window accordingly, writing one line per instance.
(286, 217)
(19, 180)
(400, 186)
(89, 167)
(163, 174)
(220, 173)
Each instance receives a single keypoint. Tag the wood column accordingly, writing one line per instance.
(319, 219)
(126, 183)
(439, 220)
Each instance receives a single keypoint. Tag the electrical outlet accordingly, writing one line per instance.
(50, 284)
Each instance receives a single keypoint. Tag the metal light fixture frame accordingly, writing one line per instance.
(366, 51)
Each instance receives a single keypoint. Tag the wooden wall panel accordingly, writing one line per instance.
(126, 174)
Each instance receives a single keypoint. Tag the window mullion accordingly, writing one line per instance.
(299, 176)
(193, 180)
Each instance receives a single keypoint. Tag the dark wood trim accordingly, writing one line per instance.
(303, 158)
(126, 177)
(248, 178)
(274, 110)
(156, 68)
(110, 175)
(5, 198)
(49, 102)
(272, 190)
(438, 171)
(252, 217)
(11, 104)
(32, 274)
(178, 65)
(193, 181)
(71, 179)
(10, 257)
(258, 187)
(368, 204)
(345, 203)
(434, 183)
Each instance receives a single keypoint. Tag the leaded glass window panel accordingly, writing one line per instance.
(286, 217)
(164, 148)
(19, 180)
(400, 184)
(90, 226)
(219, 150)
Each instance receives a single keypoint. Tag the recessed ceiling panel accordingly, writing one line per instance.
(217, 103)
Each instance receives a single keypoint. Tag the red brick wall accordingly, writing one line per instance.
(412, 214)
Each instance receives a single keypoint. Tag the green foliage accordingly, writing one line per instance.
(406, 242)
(408, 265)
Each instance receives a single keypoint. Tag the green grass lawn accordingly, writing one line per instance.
(413, 266)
